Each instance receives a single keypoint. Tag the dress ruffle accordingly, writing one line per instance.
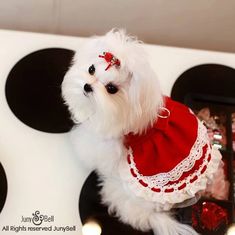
(171, 198)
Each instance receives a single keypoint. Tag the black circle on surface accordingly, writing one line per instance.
(33, 90)
(209, 80)
(90, 208)
(3, 187)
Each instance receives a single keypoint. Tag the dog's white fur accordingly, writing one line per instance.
(103, 120)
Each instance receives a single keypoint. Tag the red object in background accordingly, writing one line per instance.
(209, 216)
(233, 130)
(215, 126)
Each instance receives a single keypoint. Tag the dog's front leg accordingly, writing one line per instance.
(139, 213)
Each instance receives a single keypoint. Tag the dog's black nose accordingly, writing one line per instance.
(88, 88)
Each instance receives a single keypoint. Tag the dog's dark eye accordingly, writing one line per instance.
(111, 88)
(91, 70)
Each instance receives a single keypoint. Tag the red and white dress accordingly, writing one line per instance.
(173, 160)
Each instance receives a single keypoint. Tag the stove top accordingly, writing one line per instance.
(42, 186)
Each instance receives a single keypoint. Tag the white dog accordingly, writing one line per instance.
(151, 153)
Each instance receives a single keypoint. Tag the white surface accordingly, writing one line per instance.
(42, 172)
(197, 24)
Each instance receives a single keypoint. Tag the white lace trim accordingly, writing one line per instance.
(153, 184)
(176, 196)
(161, 179)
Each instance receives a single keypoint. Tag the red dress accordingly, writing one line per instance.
(173, 160)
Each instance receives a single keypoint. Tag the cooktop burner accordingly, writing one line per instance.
(33, 90)
(3, 187)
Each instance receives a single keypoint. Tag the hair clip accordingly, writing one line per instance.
(110, 59)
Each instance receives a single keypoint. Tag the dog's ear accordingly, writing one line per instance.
(144, 93)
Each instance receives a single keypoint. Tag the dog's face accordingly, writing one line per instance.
(111, 87)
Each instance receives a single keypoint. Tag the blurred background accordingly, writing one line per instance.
(201, 24)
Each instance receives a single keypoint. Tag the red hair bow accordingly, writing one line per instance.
(110, 59)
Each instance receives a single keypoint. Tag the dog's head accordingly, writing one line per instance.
(111, 85)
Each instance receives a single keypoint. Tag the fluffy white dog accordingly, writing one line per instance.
(151, 153)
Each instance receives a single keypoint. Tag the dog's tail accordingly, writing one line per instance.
(164, 224)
